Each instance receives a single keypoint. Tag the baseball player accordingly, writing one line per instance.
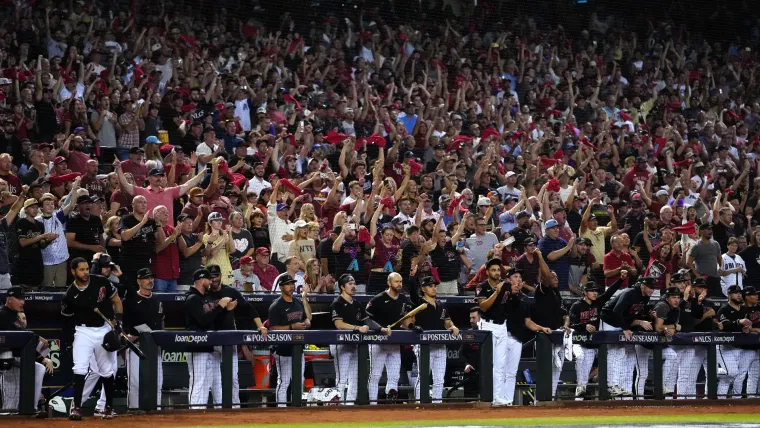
(550, 311)
(624, 312)
(200, 315)
(85, 295)
(731, 318)
(693, 313)
(142, 309)
(584, 318)
(434, 317)
(385, 309)
(13, 318)
(666, 321)
(347, 314)
(749, 357)
(287, 313)
(227, 322)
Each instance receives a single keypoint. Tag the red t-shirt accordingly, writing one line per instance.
(78, 161)
(384, 254)
(14, 184)
(166, 263)
(634, 175)
(614, 261)
(266, 276)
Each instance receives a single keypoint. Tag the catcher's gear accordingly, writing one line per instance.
(112, 341)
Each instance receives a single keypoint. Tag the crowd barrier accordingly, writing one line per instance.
(26, 341)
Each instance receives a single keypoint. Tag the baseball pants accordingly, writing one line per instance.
(620, 362)
(558, 360)
(133, 386)
(584, 361)
(216, 382)
(669, 368)
(690, 360)
(10, 383)
(749, 367)
(506, 351)
(388, 357)
(201, 367)
(284, 377)
(92, 378)
(437, 367)
(728, 360)
(345, 358)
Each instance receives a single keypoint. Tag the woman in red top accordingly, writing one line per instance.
(384, 252)
(660, 266)
(23, 123)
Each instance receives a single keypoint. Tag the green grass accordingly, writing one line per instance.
(545, 421)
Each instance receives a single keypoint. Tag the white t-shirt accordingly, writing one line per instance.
(239, 281)
(65, 94)
(204, 149)
(242, 110)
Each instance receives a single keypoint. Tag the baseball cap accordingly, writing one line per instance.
(214, 270)
(672, 291)
(733, 289)
(337, 229)
(661, 193)
(182, 217)
(409, 154)
(592, 217)
(196, 191)
(439, 146)
(648, 281)
(428, 281)
(512, 271)
(699, 282)
(201, 274)
(522, 214)
(215, 216)
(551, 223)
(592, 286)
(281, 206)
(144, 273)
(31, 202)
(15, 291)
(246, 260)
(529, 241)
(262, 251)
(136, 150)
(510, 173)
(484, 202)
(105, 261)
(493, 261)
(284, 279)
(583, 241)
(155, 172)
(300, 223)
(749, 291)
(84, 199)
(345, 279)
(152, 140)
(677, 277)
(58, 160)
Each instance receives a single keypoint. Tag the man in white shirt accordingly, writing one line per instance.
(509, 190)
(280, 228)
(208, 149)
(244, 278)
(258, 183)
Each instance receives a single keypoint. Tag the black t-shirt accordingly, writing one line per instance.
(188, 265)
(200, 311)
(31, 255)
(521, 234)
(79, 304)
(643, 252)
(433, 317)
(47, 120)
(751, 257)
(574, 220)
(729, 317)
(324, 251)
(189, 143)
(385, 310)
(87, 231)
(285, 313)
(448, 262)
(625, 307)
(9, 320)
(141, 247)
(242, 243)
(549, 309)
(408, 252)
(517, 311)
(351, 313)
(663, 311)
(721, 233)
(497, 313)
(350, 258)
(139, 310)
(260, 237)
(244, 312)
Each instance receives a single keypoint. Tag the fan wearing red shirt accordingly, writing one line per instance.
(263, 270)
(639, 172)
(617, 261)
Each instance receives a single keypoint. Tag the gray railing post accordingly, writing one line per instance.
(362, 393)
(228, 353)
(711, 377)
(27, 404)
(544, 362)
(486, 369)
(424, 373)
(604, 393)
(148, 395)
(296, 379)
(657, 375)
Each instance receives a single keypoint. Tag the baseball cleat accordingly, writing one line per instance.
(500, 402)
(580, 392)
(75, 414)
(106, 413)
(392, 396)
(615, 391)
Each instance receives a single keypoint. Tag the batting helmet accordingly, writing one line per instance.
(111, 341)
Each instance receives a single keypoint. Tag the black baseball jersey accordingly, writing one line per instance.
(665, 312)
(201, 311)
(583, 313)
(349, 312)
(549, 309)
(752, 313)
(691, 311)
(244, 311)
(497, 313)
(518, 309)
(385, 310)
(706, 305)
(9, 320)
(282, 312)
(79, 305)
(730, 317)
(625, 307)
(139, 310)
(433, 317)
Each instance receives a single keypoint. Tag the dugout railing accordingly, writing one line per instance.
(152, 343)
(602, 340)
(22, 378)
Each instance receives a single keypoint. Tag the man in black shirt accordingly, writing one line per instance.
(85, 295)
(625, 311)
(84, 232)
(550, 312)
(584, 318)
(749, 364)
(201, 314)
(493, 295)
(434, 317)
(287, 313)
(13, 318)
(325, 253)
(522, 231)
(143, 312)
(385, 309)
(667, 314)
(139, 234)
(347, 314)
(695, 315)
(226, 321)
(731, 318)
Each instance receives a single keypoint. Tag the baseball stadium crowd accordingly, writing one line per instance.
(370, 140)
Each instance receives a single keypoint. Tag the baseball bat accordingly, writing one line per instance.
(410, 314)
(130, 345)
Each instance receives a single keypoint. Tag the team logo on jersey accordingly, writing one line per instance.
(101, 294)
